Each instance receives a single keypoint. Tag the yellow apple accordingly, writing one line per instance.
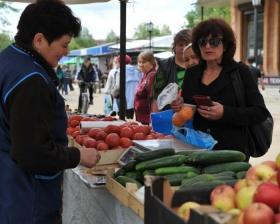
(278, 160)
(240, 184)
(258, 174)
(240, 218)
(273, 179)
(223, 202)
(244, 197)
(235, 211)
(184, 209)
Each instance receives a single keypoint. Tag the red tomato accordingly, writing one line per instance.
(77, 128)
(74, 123)
(159, 135)
(93, 131)
(70, 131)
(86, 119)
(126, 132)
(90, 143)
(84, 139)
(141, 129)
(139, 136)
(112, 140)
(134, 123)
(93, 119)
(125, 142)
(75, 134)
(111, 129)
(109, 118)
(76, 117)
(101, 136)
(99, 141)
(149, 137)
(102, 147)
(79, 139)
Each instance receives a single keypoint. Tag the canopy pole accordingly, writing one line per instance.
(122, 104)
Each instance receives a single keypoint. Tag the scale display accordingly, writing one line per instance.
(128, 155)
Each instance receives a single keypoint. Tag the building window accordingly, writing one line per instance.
(250, 36)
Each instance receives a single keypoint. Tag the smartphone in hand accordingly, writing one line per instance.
(202, 100)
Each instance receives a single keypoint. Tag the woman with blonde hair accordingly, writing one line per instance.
(142, 101)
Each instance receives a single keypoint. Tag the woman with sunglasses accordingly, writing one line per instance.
(214, 43)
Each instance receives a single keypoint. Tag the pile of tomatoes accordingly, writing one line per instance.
(112, 136)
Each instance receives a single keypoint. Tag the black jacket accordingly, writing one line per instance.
(228, 131)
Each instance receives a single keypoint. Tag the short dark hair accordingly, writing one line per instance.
(182, 36)
(251, 59)
(52, 18)
(214, 27)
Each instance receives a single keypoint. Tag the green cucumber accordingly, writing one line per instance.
(190, 157)
(223, 178)
(149, 172)
(231, 182)
(218, 156)
(176, 179)
(191, 175)
(168, 161)
(203, 184)
(198, 178)
(123, 180)
(120, 172)
(154, 154)
(188, 152)
(176, 169)
(130, 165)
(225, 173)
(232, 166)
(137, 175)
(241, 174)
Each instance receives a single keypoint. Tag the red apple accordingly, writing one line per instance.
(222, 190)
(268, 194)
(258, 213)
(258, 174)
(277, 218)
(270, 163)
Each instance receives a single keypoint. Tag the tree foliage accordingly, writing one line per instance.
(83, 41)
(5, 40)
(5, 7)
(194, 16)
(112, 37)
(142, 33)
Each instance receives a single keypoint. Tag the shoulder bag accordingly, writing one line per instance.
(258, 136)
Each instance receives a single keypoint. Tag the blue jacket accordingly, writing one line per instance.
(26, 197)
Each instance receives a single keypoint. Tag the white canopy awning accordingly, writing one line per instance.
(68, 2)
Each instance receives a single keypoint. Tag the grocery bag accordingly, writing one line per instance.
(107, 104)
(197, 138)
(162, 122)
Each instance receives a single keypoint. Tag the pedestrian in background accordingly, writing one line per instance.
(255, 71)
(34, 148)
(60, 74)
(189, 56)
(172, 69)
(142, 101)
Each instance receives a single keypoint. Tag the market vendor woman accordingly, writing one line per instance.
(33, 140)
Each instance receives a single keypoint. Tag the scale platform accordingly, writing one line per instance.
(154, 144)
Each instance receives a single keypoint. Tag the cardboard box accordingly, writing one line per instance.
(70, 141)
(108, 156)
(125, 195)
(162, 203)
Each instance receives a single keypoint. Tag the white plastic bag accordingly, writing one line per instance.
(168, 95)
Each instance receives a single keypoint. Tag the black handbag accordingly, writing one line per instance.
(258, 136)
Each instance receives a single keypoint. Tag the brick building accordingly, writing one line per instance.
(242, 21)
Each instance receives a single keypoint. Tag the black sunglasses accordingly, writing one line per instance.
(214, 42)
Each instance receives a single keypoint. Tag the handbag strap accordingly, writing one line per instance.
(238, 88)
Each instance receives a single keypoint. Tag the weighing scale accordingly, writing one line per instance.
(154, 144)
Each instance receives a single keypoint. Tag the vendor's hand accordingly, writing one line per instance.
(89, 157)
(177, 104)
(211, 113)
(75, 81)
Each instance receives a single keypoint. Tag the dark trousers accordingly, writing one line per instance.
(82, 89)
(129, 113)
(70, 84)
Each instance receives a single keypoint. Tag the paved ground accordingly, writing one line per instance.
(272, 103)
